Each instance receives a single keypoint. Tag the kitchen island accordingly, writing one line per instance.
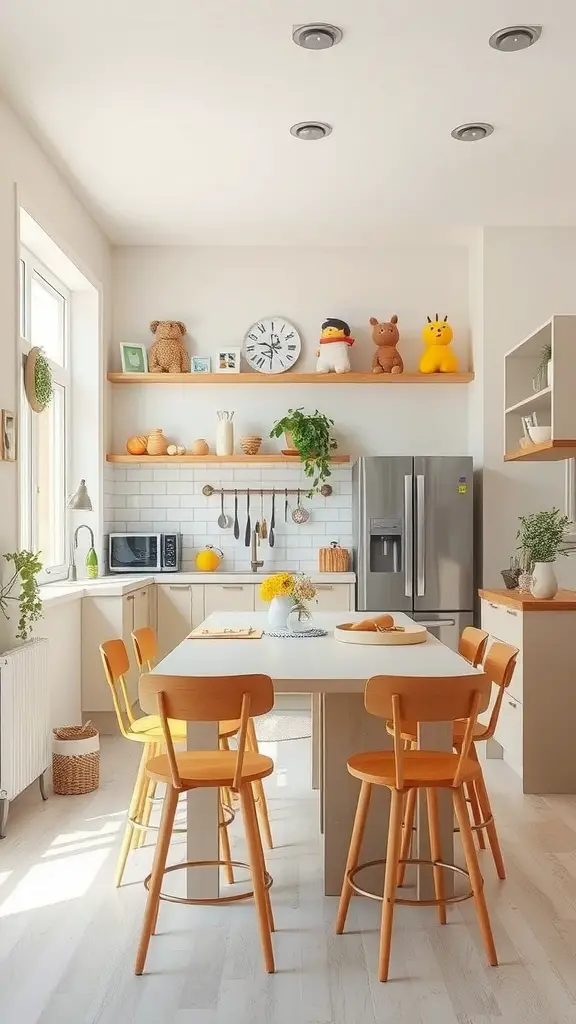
(338, 672)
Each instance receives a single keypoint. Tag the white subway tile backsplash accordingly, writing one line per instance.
(166, 500)
(139, 474)
(193, 501)
(181, 487)
(126, 488)
(345, 515)
(152, 488)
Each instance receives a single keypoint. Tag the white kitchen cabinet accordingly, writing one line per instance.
(179, 608)
(536, 723)
(106, 618)
(228, 597)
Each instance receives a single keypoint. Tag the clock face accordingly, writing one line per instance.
(272, 345)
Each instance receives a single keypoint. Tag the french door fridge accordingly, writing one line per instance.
(414, 539)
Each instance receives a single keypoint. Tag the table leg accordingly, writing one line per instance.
(435, 736)
(202, 818)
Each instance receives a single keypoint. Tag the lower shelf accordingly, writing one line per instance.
(191, 459)
(548, 451)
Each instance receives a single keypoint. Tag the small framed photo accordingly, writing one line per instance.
(134, 358)
(201, 364)
(228, 360)
(8, 439)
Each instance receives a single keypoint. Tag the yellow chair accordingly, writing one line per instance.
(147, 731)
(209, 699)
(146, 651)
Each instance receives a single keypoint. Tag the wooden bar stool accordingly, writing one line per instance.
(419, 699)
(146, 651)
(146, 731)
(213, 699)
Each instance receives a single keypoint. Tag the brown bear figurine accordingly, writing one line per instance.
(167, 354)
(386, 336)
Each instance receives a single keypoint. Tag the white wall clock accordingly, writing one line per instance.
(272, 345)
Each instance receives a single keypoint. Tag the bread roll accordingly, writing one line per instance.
(366, 625)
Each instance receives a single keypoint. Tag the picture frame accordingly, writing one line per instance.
(134, 358)
(201, 364)
(8, 449)
(228, 360)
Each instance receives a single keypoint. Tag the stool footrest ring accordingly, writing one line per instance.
(236, 898)
(411, 903)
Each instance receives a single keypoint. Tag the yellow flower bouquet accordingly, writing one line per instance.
(297, 587)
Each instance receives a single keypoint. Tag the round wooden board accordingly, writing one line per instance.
(30, 380)
(410, 635)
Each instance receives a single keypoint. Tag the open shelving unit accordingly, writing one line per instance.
(290, 378)
(554, 403)
(266, 457)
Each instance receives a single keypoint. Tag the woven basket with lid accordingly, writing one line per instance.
(333, 559)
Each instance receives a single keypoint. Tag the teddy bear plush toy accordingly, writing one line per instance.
(167, 354)
(335, 342)
(386, 336)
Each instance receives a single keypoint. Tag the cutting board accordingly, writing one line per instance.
(247, 633)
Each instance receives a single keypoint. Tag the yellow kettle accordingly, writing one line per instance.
(209, 558)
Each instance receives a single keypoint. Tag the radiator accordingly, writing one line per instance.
(25, 734)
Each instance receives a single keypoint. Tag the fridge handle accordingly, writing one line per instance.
(420, 537)
(408, 536)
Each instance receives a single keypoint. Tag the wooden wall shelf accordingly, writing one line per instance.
(267, 457)
(290, 378)
(548, 451)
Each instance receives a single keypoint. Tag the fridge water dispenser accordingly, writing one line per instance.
(386, 545)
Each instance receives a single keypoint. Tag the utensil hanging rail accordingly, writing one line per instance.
(208, 490)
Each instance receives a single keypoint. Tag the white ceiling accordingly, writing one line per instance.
(173, 116)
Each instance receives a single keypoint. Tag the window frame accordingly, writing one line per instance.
(30, 266)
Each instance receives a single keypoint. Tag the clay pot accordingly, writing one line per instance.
(199, 447)
(137, 445)
(157, 443)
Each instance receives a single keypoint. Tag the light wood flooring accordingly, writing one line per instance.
(68, 937)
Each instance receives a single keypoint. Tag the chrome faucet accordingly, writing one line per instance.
(72, 572)
(254, 553)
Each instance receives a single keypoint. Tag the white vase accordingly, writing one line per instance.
(279, 612)
(544, 582)
(225, 438)
(549, 373)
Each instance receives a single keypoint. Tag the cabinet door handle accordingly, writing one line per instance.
(130, 597)
(512, 704)
(324, 586)
(492, 605)
(179, 586)
(232, 586)
(510, 611)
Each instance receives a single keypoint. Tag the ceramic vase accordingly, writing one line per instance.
(544, 582)
(157, 443)
(279, 612)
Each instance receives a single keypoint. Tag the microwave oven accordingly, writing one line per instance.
(144, 552)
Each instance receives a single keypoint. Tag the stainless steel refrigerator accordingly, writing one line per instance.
(414, 539)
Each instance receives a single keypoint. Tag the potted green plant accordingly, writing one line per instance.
(540, 537)
(27, 565)
(309, 435)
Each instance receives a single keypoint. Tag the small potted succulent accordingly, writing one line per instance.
(540, 537)
(308, 434)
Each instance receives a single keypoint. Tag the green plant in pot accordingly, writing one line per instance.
(540, 537)
(308, 434)
(27, 565)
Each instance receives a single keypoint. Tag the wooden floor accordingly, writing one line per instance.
(67, 937)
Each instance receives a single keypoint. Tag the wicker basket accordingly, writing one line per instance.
(333, 559)
(76, 760)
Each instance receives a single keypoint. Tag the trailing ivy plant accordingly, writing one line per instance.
(27, 565)
(541, 535)
(311, 436)
(43, 381)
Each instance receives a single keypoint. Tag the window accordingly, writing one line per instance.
(44, 322)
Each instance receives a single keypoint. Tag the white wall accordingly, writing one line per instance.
(28, 177)
(526, 275)
(220, 292)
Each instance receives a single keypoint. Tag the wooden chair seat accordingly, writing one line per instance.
(409, 731)
(149, 728)
(422, 768)
(199, 768)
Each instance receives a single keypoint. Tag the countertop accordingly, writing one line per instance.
(116, 585)
(565, 600)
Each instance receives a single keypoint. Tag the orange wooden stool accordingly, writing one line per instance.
(420, 699)
(211, 699)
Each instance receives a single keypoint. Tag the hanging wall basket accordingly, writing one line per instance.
(38, 380)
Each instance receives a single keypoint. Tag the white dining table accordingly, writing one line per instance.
(338, 672)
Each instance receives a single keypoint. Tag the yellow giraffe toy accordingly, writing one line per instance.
(438, 357)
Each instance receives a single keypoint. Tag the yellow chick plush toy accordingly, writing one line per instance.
(438, 357)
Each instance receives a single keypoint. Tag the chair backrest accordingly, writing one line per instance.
(116, 664)
(145, 648)
(427, 699)
(499, 666)
(206, 699)
(472, 644)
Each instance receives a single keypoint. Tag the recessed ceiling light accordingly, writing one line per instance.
(472, 132)
(316, 36)
(310, 130)
(515, 37)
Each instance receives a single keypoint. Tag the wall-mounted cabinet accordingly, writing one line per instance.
(545, 388)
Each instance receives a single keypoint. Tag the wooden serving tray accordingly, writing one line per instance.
(247, 633)
(412, 634)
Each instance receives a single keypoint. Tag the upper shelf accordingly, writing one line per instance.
(189, 459)
(290, 378)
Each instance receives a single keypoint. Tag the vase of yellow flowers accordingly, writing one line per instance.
(287, 593)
